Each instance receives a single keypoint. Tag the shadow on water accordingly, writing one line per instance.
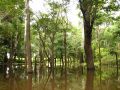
(76, 78)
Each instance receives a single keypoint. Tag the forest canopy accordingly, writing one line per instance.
(51, 38)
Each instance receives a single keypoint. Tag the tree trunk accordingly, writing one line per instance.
(87, 47)
(61, 59)
(52, 62)
(81, 57)
(35, 65)
(27, 38)
(89, 10)
(65, 53)
(116, 55)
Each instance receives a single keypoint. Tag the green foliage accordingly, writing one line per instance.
(51, 25)
(74, 42)
(11, 25)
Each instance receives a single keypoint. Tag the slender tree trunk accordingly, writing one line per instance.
(52, 38)
(35, 65)
(65, 57)
(27, 38)
(11, 51)
(68, 62)
(55, 62)
(116, 55)
(52, 57)
(41, 57)
(81, 57)
(61, 59)
(99, 54)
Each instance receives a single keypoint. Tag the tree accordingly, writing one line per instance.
(27, 38)
(104, 19)
(88, 9)
(11, 30)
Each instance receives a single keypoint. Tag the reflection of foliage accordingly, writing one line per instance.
(106, 73)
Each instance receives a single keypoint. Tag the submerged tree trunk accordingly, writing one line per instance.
(27, 38)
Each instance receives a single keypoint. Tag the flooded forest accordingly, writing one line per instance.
(59, 45)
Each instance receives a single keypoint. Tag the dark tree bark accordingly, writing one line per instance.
(81, 57)
(117, 64)
(88, 48)
(88, 8)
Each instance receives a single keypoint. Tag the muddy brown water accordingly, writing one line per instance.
(73, 79)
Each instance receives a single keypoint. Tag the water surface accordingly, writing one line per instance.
(73, 79)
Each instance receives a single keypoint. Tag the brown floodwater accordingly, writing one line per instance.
(71, 79)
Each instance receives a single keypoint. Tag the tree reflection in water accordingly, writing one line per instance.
(29, 82)
(89, 80)
(52, 82)
(61, 79)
